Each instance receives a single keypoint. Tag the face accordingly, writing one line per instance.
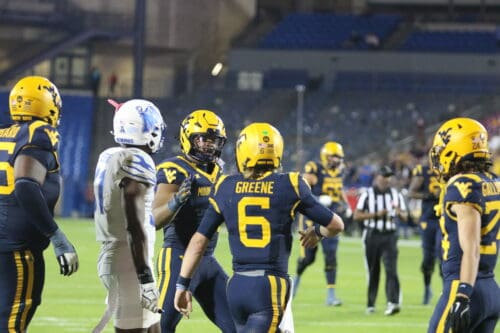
(208, 144)
(333, 161)
(382, 182)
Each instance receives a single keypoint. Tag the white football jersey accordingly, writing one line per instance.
(113, 165)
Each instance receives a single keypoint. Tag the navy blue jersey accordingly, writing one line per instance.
(259, 215)
(481, 191)
(39, 140)
(430, 185)
(173, 171)
(329, 183)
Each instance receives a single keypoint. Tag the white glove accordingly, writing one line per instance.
(348, 212)
(325, 200)
(149, 297)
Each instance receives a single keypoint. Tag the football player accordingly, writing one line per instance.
(425, 186)
(325, 179)
(470, 203)
(184, 185)
(258, 207)
(29, 190)
(124, 184)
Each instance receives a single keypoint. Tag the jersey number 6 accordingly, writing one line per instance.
(244, 220)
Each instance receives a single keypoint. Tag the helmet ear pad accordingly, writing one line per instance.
(138, 122)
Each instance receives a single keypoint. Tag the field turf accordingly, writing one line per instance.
(76, 303)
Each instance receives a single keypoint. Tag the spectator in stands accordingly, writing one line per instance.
(112, 81)
(95, 80)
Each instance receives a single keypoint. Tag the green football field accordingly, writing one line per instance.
(76, 303)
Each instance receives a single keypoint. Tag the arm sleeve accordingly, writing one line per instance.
(310, 207)
(30, 197)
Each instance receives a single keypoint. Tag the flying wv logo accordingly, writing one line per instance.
(445, 136)
(54, 95)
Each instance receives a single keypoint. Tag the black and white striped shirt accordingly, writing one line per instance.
(373, 201)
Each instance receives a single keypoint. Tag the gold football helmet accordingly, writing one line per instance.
(202, 136)
(259, 145)
(457, 140)
(331, 148)
(35, 97)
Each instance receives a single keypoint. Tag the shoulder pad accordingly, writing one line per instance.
(464, 188)
(42, 135)
(138, 165)
(170, 172)
(311, 167)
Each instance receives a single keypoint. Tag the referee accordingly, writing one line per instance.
(380, 207)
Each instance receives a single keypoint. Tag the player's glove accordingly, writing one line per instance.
(458, 319)
(65, 253)
(181, 196)
(149, 297)
(149, 291)
(325, 200)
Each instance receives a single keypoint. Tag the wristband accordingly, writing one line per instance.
(317, 230)
(182, 283)
(465, 288)
(145, 276)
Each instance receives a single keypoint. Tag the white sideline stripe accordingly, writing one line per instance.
(77, 322)
(401, 242)
(362, 306)
(363, 324)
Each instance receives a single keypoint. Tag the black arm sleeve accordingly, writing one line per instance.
(30, 197)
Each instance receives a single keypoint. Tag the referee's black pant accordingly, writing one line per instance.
(381, 245)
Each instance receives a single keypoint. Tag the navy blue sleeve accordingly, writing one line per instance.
(310, 207)
(210, 222)
(29, 196)
(45, 157)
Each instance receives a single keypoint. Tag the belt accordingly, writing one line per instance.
(261, 272)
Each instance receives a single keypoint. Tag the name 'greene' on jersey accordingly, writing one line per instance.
(259, 214)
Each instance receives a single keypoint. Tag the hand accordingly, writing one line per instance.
(65, 253)
(381, 213)
(348, 212)
(149, 297)
(184, 191)
(308, 238)
(183, 302)
(458, 319)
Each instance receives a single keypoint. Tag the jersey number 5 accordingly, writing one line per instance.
(7, 179)
(244, 221)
